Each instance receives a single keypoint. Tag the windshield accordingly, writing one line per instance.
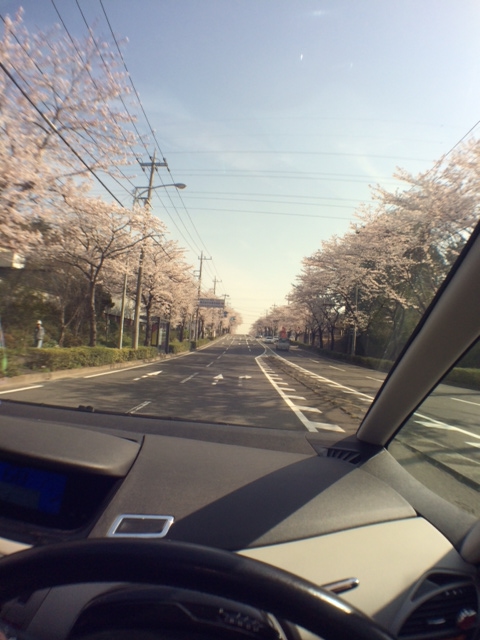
(229, 212)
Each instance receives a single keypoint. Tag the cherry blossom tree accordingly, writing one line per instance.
(91, 235)
(394, 257)
(164, 273)
(59, 120)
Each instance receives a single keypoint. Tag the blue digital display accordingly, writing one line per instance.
(31, 488)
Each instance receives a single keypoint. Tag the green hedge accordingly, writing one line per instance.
(179, 347)
(361, 361)
(194, 344)
(76, 357)
(464, 378)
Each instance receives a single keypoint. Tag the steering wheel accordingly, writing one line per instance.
(187, 566)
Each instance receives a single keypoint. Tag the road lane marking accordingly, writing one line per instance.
(376, 379)
(313, 409)
(295, 397)
(217, 379)
(190, 377)
(308, 424)
(154, 373)
(328, 381)
(477, 404)
(107, 373)
(139, 406)
(337, 368)
(436, 424)
(37, 386)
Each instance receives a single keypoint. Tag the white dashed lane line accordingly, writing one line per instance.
(310, 425)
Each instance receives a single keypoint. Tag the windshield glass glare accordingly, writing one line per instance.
(229, 212)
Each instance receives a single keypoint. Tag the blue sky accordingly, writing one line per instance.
(278, 115)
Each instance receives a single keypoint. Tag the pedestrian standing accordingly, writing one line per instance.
(39, 334)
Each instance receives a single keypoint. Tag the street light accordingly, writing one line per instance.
(142, 190)
(138, 195)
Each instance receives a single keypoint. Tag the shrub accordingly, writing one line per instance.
(178, 347)
(75, 357)
(469, 378)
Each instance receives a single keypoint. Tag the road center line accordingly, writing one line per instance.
(190, 377)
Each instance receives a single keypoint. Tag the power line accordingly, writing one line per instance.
(72, 40)
(274, 213)
(459, 142)
(282, 202)
(132, 121)
(130, 78)
(149, 124)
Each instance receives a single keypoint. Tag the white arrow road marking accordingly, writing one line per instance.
(154, 373)
(217, 378)
(244, 377)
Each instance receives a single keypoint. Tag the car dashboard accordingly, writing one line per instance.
(338, 514)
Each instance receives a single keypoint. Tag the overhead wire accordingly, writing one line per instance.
(153, 135)
(131, 118)
(72, 40)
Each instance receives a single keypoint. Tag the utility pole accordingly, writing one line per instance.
(215, 284)
(197, 323)
(136, 324)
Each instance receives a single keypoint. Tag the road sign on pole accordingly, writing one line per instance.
(211, 303)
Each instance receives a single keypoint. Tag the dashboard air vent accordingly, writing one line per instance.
(344, 454)
(453, 610)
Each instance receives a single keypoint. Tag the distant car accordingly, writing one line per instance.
(275, 338)
(268, 339)
(283, 344)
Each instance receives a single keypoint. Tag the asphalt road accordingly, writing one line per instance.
(240, 381)
(236, 380)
